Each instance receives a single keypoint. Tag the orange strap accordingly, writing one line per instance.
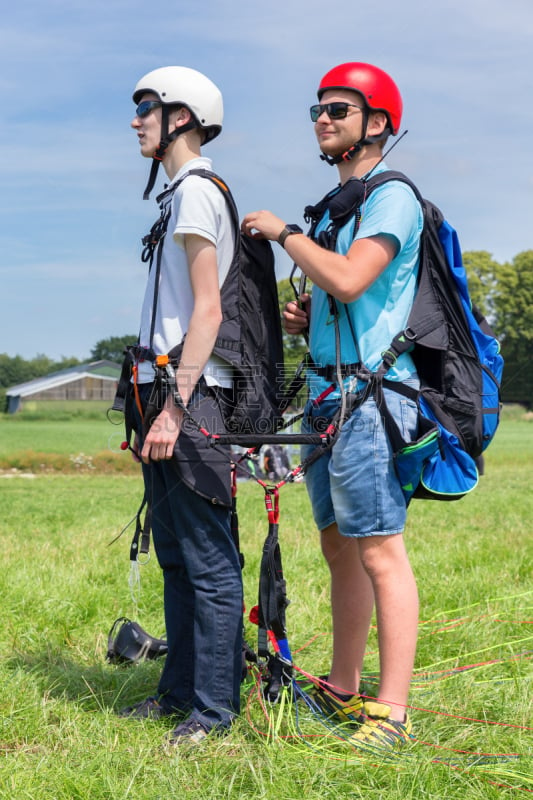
(134, 370)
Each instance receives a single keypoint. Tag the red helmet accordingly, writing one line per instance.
(378, 89)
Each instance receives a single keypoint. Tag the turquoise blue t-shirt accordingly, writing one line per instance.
(380, 313)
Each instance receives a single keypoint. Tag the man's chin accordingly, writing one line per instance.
(147, 153)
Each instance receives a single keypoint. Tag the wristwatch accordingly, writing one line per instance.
(288, 230)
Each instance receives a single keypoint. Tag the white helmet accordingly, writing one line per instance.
(186, 87)
(181, 86)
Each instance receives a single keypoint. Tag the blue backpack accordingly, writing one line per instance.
(455, 352)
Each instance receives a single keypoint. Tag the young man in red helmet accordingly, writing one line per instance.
(356, 497)
(188, 487)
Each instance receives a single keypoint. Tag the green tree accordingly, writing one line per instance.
(13, 370)
(294, 347)
(112, 349)
(482, 272)
(514, 300)
(514, 313)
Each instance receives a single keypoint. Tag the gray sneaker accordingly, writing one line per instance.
(190, 731)
(149, 708)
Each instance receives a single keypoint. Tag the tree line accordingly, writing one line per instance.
(503, 292)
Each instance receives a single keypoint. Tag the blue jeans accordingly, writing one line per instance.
(203, 598)
(355, 483)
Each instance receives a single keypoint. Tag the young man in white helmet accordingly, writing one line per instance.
(187, 484)
(356, 496)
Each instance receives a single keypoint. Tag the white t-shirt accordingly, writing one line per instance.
(197, 207)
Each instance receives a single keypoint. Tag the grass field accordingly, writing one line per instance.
(62, 443)
(63, 584)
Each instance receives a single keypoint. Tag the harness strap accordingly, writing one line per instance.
(135, 374)
(331, 372)
(132, 355)
(140, 543)
(297, 383)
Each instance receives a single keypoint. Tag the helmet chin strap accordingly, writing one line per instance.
(163, 144)
(346, 156)
(354, 149)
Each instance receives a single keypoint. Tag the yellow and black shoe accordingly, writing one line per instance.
(378, 730)
(322, 697)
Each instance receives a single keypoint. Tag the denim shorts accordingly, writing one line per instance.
(355, 484)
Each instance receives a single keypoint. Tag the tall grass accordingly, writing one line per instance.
(63, 584)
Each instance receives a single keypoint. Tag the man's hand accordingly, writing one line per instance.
(296, 315)
(262, 225)
(162, 436)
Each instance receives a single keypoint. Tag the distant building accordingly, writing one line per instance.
(94, 381)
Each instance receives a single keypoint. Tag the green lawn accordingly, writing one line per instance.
(72, 435)
(63, 584)
(76, 443)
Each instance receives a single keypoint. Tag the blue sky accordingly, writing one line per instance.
(72, 213)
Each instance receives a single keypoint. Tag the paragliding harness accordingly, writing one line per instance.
(455, 352)
(249, 337)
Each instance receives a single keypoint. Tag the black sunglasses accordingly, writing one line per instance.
(147, 106)
(333, 110)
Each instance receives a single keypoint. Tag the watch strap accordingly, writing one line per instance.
(288, 230)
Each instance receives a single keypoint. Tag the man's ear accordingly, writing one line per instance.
(377, 122)
(181, 116)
